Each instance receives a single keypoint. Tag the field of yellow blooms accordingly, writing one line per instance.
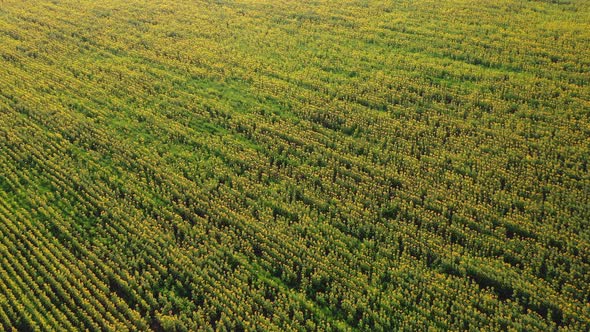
(283, 165)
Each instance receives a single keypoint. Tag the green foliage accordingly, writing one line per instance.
(301, 165)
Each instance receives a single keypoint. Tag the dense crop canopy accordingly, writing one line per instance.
(294, 165)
